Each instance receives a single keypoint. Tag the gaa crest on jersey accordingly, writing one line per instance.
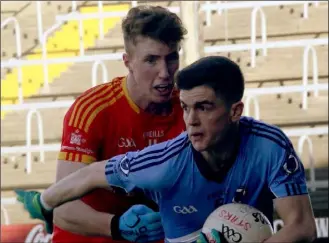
(291, 165)
(125, 165)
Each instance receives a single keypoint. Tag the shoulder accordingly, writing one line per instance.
(268, 145)
(89, 105)
(160, 154)
(265, 135)
(158, 166)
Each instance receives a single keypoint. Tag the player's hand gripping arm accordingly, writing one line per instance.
(138, 224)
(75, 185)
(130, 171)
(69, 217)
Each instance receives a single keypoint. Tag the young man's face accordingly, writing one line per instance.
(206, 117)
(153, 65)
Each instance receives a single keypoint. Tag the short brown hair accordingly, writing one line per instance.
(157, 23)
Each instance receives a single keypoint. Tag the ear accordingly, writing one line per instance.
(236, 111)
(126, 61)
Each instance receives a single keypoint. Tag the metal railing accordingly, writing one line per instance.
(301, 142)
(207, 7)
(4, 202)
(39, 17)
(31, 112)
(219, 6)
(251, 94)
(94, 73)
(253, 33)
(248, 92)
(256, 106)
(43, 37)
(39, 20)
(18, 53)
(5, 214)
(305, 72)
(208, 50)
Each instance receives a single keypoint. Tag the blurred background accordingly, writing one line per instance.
(52, 51)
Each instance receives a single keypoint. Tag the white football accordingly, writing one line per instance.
(238, 223)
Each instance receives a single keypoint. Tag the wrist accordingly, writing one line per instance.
(115, 229)
(44, 205)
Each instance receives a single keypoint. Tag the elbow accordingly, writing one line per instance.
(311, 232)
(308, 230)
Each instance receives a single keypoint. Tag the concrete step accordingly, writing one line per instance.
(14, 176)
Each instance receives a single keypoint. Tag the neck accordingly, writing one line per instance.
(143, 102)
(224, 150)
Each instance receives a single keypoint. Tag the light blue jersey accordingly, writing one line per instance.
(175, 176)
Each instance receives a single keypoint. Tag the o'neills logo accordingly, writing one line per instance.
(38, 235)
(27, 233)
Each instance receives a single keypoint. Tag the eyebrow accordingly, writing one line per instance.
(203, 102)
(172, 54)
(151, 55)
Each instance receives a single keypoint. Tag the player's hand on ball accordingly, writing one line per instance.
(141, 224)
(32, 204)
(215, 237)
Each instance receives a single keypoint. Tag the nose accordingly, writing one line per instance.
(164, 72)
(192, 118)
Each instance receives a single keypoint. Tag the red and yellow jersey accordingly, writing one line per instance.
(104, 122)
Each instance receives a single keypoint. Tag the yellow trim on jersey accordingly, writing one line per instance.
(82, 108)
(87, 159)
(97, 103)
(99, 109)
(80, 100)
(62, 155)
(70, 157)
(130, 101)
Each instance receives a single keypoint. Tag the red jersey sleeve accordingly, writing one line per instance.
(81, 127)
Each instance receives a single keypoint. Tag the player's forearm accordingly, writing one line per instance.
(293, 233)
(69, 188)
(89, 223)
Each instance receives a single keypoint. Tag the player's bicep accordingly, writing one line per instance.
(97, 175)
(64, 168)
(76, 184)
(294, 210)
(287, 176)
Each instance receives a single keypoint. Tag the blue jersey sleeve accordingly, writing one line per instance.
(150, 169)
(287, 175)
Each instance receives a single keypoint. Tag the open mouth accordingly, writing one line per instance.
(196, 136)
(164, 88)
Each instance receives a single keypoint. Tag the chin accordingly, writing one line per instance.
(161, 99)
(199, 146)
